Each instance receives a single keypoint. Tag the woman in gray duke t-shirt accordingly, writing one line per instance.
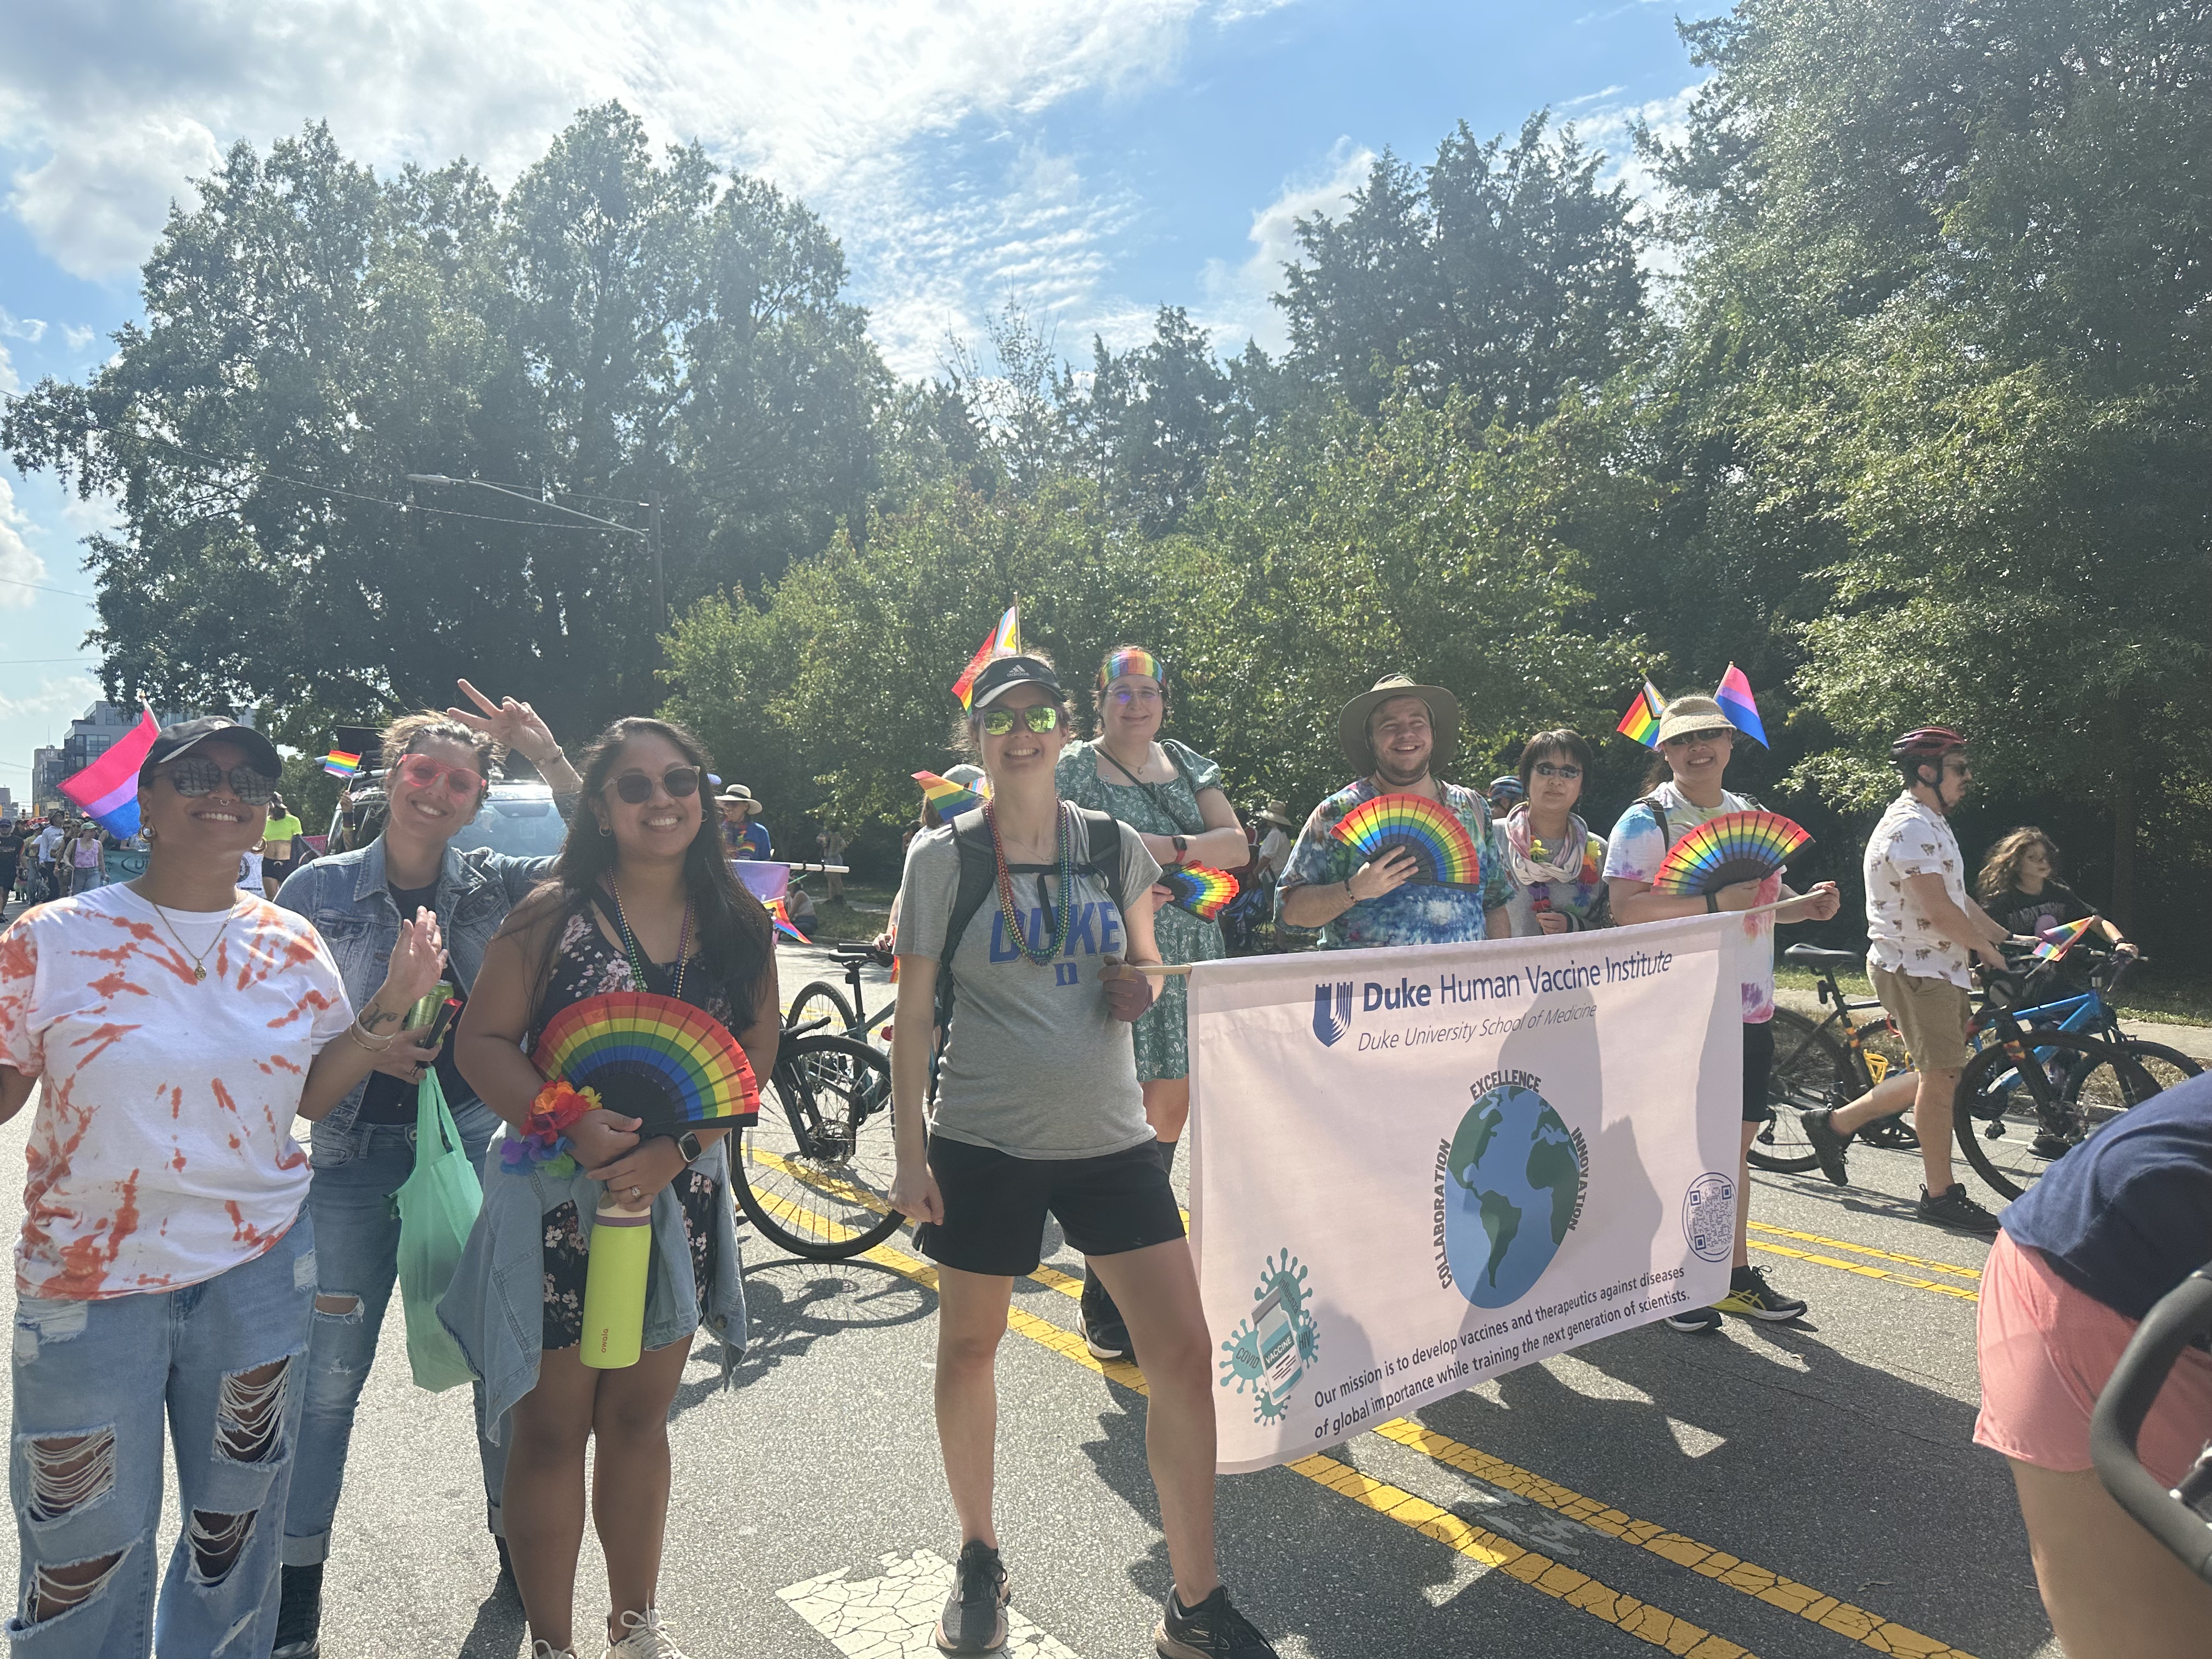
(1039, 1112)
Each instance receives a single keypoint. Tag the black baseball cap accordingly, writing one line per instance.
(174, 740)
(1002, 674)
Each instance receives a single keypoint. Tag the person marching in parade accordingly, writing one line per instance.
(1683, 790)
(1040, 1111)
(642, 899)
(1557, 861)
(1393, 734)
(437, 770)
(1171, 796)
(167, 1267)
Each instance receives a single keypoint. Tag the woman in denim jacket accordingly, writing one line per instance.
(436, 772)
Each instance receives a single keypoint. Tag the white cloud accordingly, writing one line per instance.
(78, 338)
(17, 562)
(1238, 303)
(1613, 130)
(9, 382)
(29, 330)
(856, 107)
(63, 696)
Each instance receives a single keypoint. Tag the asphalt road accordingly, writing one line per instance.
(1807, 1491)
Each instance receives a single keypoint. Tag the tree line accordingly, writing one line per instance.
(1894, 394)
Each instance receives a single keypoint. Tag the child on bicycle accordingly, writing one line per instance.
(2019, 886)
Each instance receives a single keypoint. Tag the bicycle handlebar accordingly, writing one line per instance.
(2181, 1316)
(863, 949)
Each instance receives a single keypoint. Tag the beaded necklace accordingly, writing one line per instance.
(637, 957)
(1011, 912)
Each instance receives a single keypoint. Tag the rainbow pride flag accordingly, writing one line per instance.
(2060, 938)
(1734, 696)
(1640, 722)
(107, 790)
(340, 764)
(1006, 636)
(780, 914)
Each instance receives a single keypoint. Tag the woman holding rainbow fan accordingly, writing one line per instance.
(1681, 791)
(1171, 795)
(642, 900)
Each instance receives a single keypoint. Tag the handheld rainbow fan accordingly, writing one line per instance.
(651, 1057)
(1199, 889)
(2061, 938)
(1722, 850)
(1428, 829)
(950, 799)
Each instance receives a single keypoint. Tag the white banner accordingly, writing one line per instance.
(1415, 1169)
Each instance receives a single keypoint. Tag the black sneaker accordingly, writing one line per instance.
(1827, 1146)
(1694, 1320)
(1100, 1321)
(299, 1613)
(2048, 1145)
(1211, 1630)
(974, 1616)
(1954, 1209)
(1750, 1295)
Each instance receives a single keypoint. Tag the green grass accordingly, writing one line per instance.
(2173, 999)
(835, 921)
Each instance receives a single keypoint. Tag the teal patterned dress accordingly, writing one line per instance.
(1162, 809)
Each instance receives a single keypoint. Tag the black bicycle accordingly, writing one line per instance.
(1824, 1062)
(814, 1174)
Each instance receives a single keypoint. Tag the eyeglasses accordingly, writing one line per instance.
(636, 788)
(1690, 739)
(1546, 770)
(422, 771)
(1126, 694)
(1038, 717)
(195, 775)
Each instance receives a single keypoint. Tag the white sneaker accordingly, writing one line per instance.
(648, 1637)
(546, 1651)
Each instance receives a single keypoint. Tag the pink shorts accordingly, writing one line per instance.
(2046, 1351)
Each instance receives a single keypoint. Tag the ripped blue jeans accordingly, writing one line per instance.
(357, 1245)
(93, 1383)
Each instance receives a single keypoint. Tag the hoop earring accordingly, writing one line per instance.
(606, 828)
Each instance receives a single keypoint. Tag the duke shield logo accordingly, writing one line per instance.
(1332, 1011)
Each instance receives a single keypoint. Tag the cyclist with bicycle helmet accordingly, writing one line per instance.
(1921, 930)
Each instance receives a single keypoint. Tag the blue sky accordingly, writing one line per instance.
(1095, 158)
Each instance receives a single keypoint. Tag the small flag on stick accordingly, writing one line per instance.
(1640, 722)
(1006, 636)
(107, 790)
(340, 764)
(1734, 696)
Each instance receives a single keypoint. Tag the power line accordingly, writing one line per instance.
(17, 581)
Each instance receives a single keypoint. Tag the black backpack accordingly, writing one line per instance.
(979, 883)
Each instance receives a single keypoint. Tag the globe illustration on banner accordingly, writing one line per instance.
(1514, 1178)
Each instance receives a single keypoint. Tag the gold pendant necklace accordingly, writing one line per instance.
(199, 973)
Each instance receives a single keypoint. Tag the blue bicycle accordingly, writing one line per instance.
(2050, 1074)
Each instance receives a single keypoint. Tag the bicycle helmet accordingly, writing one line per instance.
(1508, 784)
(1926, 743)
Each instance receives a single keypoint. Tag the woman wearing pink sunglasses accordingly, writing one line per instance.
(436, 772)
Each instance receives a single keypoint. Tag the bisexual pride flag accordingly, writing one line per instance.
(107, 790)
(1734, 696)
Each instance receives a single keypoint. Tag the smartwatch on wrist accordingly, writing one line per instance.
(1712, 904)
(1182, 849)
(688, 1145)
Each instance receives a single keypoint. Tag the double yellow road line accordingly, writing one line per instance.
(1538, 1571)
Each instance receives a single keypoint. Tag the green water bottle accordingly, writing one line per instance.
(613, 1284)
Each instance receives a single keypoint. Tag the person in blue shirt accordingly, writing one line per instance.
(2084, 1255)
(743, 832)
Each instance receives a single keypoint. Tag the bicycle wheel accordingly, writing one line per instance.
(2015, 1118)
(814, 1175)
(817, 1000)
(2144, 1069)
(1807, 1061)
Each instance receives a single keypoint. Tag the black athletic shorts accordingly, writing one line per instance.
(995, 1206)
(1758, 1067)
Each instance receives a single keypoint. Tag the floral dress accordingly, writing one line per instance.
(586, 965)
(1157, 809)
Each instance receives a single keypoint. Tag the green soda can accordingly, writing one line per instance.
(426, 1010)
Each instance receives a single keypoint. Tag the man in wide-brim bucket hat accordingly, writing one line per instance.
(1351, 726)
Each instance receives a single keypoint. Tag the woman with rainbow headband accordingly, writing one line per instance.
(641, 899)
(1171, 795)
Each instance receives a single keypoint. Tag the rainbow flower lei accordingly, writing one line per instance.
(545, 1143)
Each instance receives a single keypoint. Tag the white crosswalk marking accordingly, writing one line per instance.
(894, 1615)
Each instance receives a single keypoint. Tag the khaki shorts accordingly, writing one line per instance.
(1931, 1016)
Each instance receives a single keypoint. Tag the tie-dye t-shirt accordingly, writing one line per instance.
(1418, 912)
(162, 1153)
(1638, 845)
